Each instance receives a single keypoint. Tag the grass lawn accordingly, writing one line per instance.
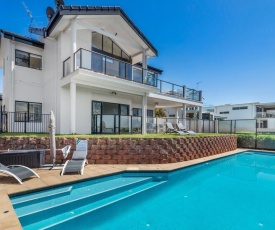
(163, 135)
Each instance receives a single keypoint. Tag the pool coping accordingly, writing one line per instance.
(9, 219)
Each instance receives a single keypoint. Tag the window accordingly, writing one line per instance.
(224, 112)
(241, 107)
(28, 60)
(103, 43)
(150, 113)
(28, 111)
(137, 112)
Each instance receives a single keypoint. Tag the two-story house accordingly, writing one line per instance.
(89, 68)
(263, 112)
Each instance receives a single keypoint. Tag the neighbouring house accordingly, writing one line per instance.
(90, 68)
(263, 112)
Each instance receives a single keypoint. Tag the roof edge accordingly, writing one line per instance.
(96, 10)
(22, 39)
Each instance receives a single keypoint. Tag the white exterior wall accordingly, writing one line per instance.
(248, 113)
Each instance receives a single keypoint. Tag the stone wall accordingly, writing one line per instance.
(132, 150)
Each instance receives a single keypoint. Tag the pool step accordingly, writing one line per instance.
(56, 221)
(38, 197)
(89, 191)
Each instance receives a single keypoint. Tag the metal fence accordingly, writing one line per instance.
(158, 124)
(15, 122)
(249, 135)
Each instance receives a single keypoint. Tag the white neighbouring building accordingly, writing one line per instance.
(89, 68)
(263, 112)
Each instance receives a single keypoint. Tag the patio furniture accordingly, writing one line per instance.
(19, 172)
(181, 127)
(171, 129)
(76, 164)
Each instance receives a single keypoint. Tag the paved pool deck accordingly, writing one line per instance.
(50, 178)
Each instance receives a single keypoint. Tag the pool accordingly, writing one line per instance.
(235, 192)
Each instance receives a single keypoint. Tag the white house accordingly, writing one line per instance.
(90, 68)
(263, 112)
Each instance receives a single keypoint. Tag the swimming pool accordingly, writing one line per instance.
(236, 192)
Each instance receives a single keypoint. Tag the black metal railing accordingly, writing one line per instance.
(18, 122)
(107, 65)
(179, 90)
(100, 63)
(116, 124)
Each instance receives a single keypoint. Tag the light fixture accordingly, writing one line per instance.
(114, 93)
(115, 34)
(157, 103)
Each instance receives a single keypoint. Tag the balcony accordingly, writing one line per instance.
(265, 114)
(100, 63)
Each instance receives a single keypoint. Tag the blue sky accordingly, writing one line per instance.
(228, 45)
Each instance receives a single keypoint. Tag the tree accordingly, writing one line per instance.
(160, 112)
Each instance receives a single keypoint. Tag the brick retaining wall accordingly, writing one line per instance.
(132, 150)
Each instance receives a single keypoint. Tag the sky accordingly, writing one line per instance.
(224, 48)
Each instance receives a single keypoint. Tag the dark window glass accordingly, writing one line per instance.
(97, 40)
(96, 107)
(28, 60)
(225, 112)
(125, 56)
(237, 108)
(107, 44)
(28, 111)
(137, 112)
(35, 61)
(124, 110)
(116, 50)
(150, 113)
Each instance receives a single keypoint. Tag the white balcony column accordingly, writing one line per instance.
(12, 101)
(144, 65)
(177, 115)
(73, 43)
(184, 115)
(73, 106)
(144, 114)
(200, 112)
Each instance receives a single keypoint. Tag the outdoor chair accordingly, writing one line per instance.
(76, 164)
(19, 172)
(171, 129)
(181, 127)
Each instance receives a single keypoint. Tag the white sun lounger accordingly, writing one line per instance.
(76, 164)
(170, 129)
(183, 129)
(19, 172)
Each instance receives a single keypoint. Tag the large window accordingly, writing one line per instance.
(28, 111)
(138, 112)
(241, 107)
(29, 60)
(103, 43)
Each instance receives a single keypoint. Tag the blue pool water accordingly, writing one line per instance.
(236, 192)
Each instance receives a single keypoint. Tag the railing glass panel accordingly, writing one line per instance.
(137, 75)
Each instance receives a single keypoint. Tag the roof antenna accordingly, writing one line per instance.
(59, 3)
(30, 15)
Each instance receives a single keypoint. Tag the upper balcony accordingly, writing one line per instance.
(110, 66)
(267, 114)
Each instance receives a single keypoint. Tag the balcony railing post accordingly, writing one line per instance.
(173, 89)
(184, 91)
(80, 59)
(160, 84)
(200, 95)
(25, 122)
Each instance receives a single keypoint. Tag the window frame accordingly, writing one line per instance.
(27, 112)
(28, 59)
